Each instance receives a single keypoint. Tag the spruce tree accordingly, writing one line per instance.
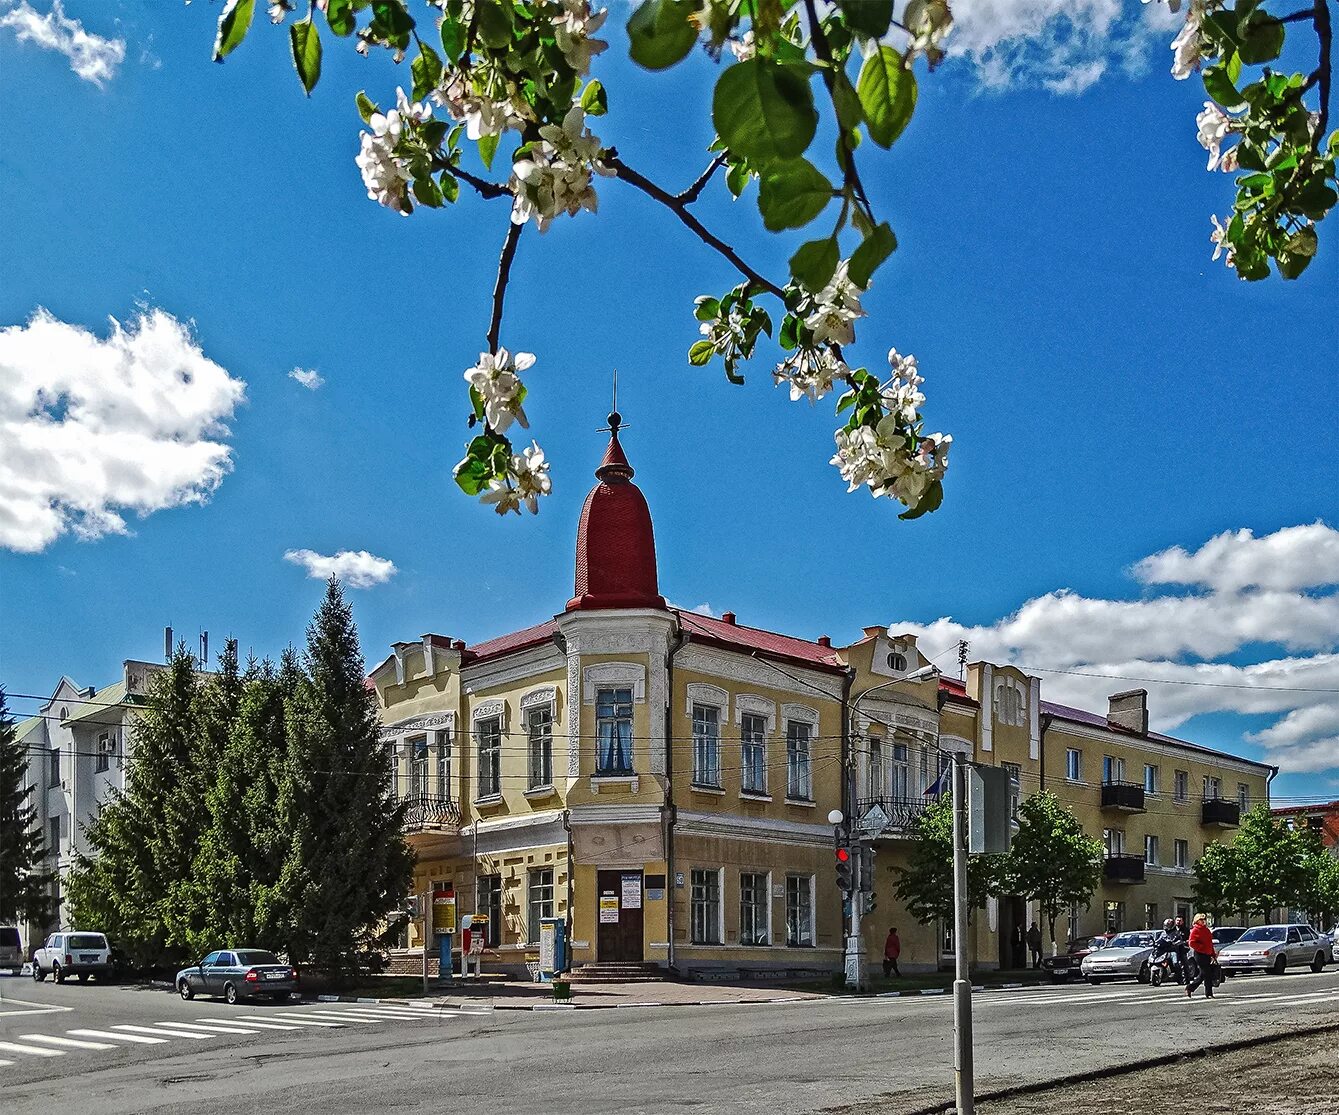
(24, 884)
(348, 866)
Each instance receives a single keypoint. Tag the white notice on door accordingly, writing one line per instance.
(609, 908)
(632, 892)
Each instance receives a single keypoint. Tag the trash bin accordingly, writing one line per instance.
(562, 990)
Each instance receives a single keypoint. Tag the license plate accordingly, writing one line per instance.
(276, 975)
(88, 959)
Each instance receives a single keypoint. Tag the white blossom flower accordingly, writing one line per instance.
(1214, 126)
(810, 372)
(744, 47)
(1218, 238)
(385, 175)
(1188, 45)
(902, 393)
(527, 479)
(556, 178)
(495, 378)
(279, 9)
(573, 30)
(726, 333)
(928, 22)
(836, 308)
(879, 458)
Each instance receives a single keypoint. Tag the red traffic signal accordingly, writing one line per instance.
(843, 855)
(844, 869)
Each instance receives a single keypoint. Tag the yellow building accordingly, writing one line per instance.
(662, 780)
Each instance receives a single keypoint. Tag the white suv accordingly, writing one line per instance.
(73, 954)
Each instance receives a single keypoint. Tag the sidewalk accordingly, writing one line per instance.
(513, 995)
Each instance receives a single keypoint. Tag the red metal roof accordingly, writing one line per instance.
(956, 691)
(702, 628)
(509, 644)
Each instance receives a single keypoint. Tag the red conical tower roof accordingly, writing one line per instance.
(616, 546)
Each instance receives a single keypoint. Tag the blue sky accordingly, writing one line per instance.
(1112, 392)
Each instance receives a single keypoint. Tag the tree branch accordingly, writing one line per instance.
(481, 186)
(824, 52)
(690, 195)
(680, 209)
(1321, 19)
(500, 287)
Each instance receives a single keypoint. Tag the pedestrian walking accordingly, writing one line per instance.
(1205, 957)
(892, 949)
(1034, 944)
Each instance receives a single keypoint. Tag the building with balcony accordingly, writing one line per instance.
(662, 779)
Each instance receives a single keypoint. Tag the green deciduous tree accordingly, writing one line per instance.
(1223, 881)
(1051, 859)
(925, 885)
(348, 867)
(24, 884)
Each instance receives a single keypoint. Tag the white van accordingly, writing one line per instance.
(73, 954)
(11, 949)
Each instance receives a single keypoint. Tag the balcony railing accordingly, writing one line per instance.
(430, 811)
(902, 811)
(1125, 796)
(1221, 811)
(1120, 868)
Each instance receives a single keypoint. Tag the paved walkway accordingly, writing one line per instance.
(523, 995)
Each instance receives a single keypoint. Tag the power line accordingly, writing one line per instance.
(1180, 681)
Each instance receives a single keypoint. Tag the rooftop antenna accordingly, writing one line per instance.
(962, 658)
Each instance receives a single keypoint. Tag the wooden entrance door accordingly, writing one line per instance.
(618, 916)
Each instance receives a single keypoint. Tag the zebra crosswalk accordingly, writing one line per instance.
(301, 1019)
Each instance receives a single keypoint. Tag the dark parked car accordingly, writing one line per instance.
(238, 974)
(1066, 965)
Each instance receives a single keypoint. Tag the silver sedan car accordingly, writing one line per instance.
(1273, 948)
(1128, 956)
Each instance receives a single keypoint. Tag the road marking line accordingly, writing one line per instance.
(298, 1021)
(340, 1017)
(326, 1019)
(34, 1008)
(71, 1042)
(33, 1050)
(137, 1038)
(418, 1014)
(159, 1028)
(6, 1062)
(209, 1031)
(248, 1022)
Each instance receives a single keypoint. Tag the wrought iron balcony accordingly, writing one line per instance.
(1128, 797)
(1120, 868)
(1220, 811)
(901, 811)
(430, 811)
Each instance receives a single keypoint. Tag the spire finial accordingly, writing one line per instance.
(615, 419)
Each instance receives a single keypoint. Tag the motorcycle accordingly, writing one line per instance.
(1166, 969)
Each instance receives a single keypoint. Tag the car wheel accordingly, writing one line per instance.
(1155, 975)
(1279, 965)
(229, 994)
(1145, 974)
(38, 974)
(185, 990)
(1093, 980)
(57, 974)
(1318, 964)
(83, 977)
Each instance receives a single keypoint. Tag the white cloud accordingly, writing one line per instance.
(1065, 46)
(356, 568)
(310, 378)
(91, 57)
(704, 610)
(1275, 591)
(91, 428)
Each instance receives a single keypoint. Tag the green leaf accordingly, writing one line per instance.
(934, 496)
(813, 265)
(594, 100)
(494, 21)
(306, 43)
(449, 186)
(868, 17)
(847, 102)
(488, 148)
(1264, 42)
(426, 70)
(873, 250)
(367, 107)
(701, 353)
(660, 33)
(1219, 86)
(709, 309)
(888, 94)
(764, 110)
(340, 15)
(428, 192)
(453, 37)
(792, 193)
(234, 23)
(737, 177)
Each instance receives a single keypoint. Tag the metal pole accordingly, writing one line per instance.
(425, 908)
(962, 986)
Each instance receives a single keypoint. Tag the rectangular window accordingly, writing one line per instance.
(1151, 851)
(875, 787)
(488, 901)
(539, 732)
(613, 731)
(706, 746)
(799, 911)
(901, 785)
(105, 745)
(53, 836)
(1150, 778)
(1151, 916)
(1180, 853)
(1115, 915)
(53, 768)
(539, 901)
(418, 767)
(1015, 786)
(753, 752)
(1181, 786)
(1243, 797)
(488, 737)
(798, 784)
(1073, 764)
(1113, 770)
(1213, 788)
(444, 764)
(754, 905)
(1072, 922)
(1114, 839)
(706, 907)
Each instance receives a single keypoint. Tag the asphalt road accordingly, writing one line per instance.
(880, 1054)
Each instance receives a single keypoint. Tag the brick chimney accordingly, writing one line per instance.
(1129, 710)
(728, 617)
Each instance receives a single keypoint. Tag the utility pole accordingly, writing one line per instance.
(964, 1089)
(855, 947)
(426, 907)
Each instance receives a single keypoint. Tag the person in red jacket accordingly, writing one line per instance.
(892, 949)
(1201, 948)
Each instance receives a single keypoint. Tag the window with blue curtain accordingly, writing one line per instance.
(613, 731)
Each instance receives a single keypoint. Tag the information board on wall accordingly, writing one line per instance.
(609, 908)
(632, 892)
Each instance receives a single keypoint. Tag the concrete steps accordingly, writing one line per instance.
(617, 973)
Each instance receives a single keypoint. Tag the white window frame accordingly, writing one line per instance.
(719, 927)
(1150, 850)
(804, 888)
(1152, 785)
(1181, 786)
(487, 713)
(746, 767)
(532, 920)
(706, 744)
(801, 714)
(750, 704)
(418, 766)
(900, 770)
(1113, 770)
(766, 909)
(1181, 854)
(1214, 781)
(443, 762)
(614, 675)
(1073, 764)
(1243, 797)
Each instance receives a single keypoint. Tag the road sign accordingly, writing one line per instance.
(874, 821)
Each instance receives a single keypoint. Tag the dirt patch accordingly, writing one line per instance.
(1299, 1076)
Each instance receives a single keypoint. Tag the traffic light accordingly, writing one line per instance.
(844, 867)
(866, 868)
(411, 907)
